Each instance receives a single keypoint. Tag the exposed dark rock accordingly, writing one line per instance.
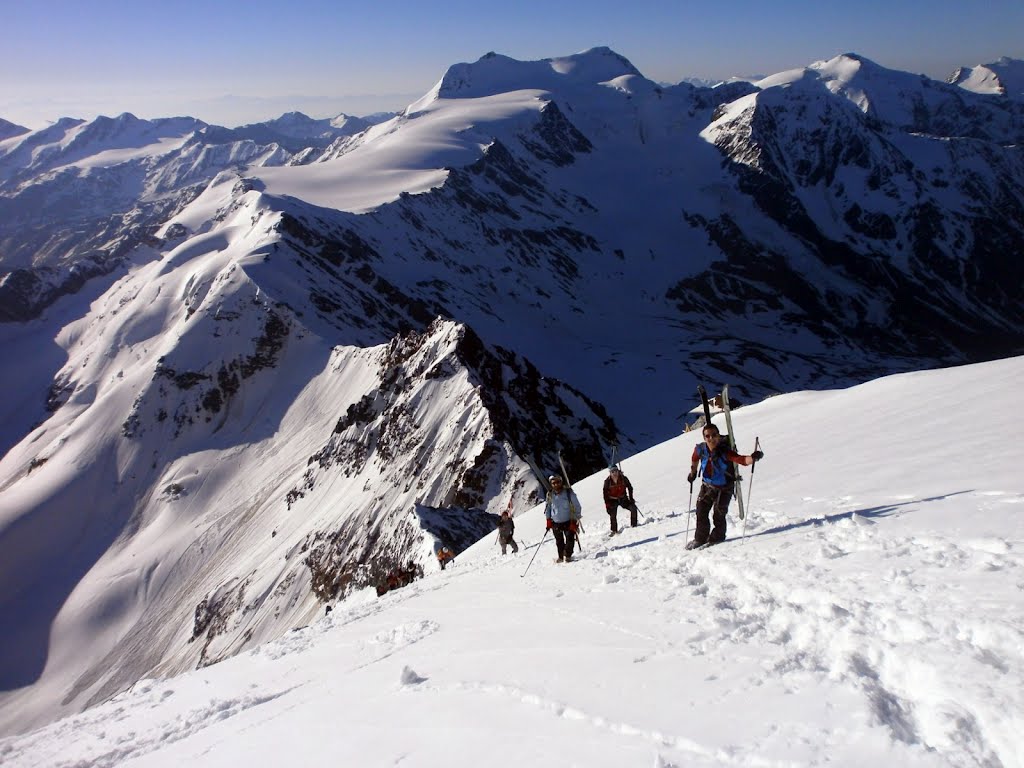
(555, 139)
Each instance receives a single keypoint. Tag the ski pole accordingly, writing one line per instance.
(535, 552)
(689, 508)
(750, 486)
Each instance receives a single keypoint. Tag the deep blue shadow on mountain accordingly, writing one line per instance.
(44, 559)
(51, 546)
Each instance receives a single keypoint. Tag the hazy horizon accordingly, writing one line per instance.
(229, 68)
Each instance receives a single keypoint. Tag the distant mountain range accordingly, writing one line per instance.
(250, 369)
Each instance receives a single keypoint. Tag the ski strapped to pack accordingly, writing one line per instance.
(732, 444)
(704, 401)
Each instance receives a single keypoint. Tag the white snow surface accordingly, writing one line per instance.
(871, 615)
(404, 154)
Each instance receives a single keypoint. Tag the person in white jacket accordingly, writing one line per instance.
(563, 513)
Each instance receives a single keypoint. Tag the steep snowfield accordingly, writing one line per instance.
(871, 616)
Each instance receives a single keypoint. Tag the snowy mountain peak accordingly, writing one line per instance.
(9, 129)
(292, 117)
(1004, 77)
(905, 101)
(847, 66)
(594, 65)
(300, 126)
(494, 73)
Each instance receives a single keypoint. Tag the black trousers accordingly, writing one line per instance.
(565, 539)
(716, 499)
(612, 508)
(505, 542)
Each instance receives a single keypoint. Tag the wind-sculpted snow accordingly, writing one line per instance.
(864, 614)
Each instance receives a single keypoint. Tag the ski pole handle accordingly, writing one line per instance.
(757, 447)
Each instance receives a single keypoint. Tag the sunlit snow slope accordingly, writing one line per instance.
(870, 616)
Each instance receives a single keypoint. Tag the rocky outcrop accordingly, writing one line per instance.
(454, 423)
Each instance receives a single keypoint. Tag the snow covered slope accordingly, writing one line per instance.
(1004, 77)
(214, 468)
(871, 616)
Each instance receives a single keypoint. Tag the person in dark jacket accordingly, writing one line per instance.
(618, 492)
(506, 532)
(714, 457)
(444, 556)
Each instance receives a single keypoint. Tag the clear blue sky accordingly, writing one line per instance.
(232, 63)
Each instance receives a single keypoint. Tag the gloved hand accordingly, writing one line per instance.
(548, 526)
(757, 455)
(691, 477)
(572, 526)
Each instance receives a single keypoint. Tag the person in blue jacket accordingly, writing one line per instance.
(563, 513)
(716, 460)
